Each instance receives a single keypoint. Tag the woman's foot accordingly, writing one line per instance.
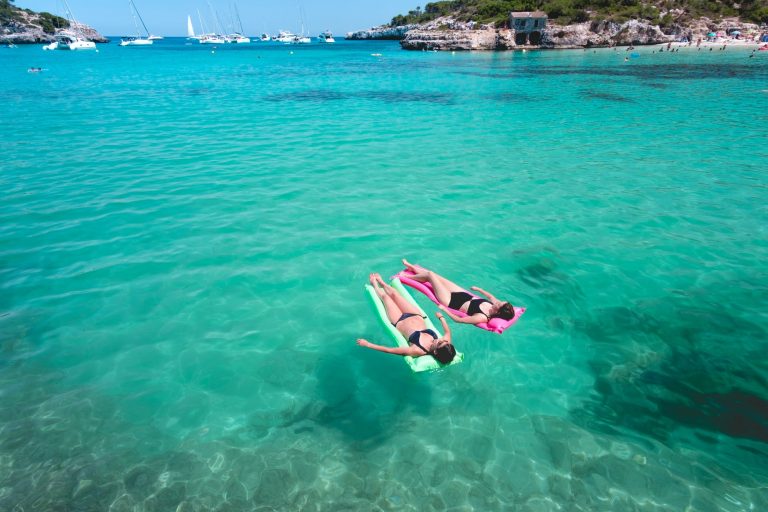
(387, 288)
(411, 268)
(374, 278)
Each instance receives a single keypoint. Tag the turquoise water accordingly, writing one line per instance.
(185, 236)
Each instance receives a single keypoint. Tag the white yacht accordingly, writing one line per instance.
(285, 37)
(138, 39)
(265, 37)
(326, 37)
(301, 40)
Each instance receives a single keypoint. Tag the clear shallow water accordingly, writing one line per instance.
(184, 237)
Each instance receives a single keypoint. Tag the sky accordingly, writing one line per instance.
(169, 17)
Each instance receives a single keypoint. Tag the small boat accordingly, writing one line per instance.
(265, 38)
(326, 37)
(301, 40)
(137, 40)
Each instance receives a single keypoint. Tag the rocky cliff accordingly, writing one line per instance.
(382, 32)
(27, 27)
(447, 33)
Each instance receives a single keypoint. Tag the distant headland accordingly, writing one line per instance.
(23, 26)
(502, 25)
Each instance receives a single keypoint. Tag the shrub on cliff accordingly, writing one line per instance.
(574, 11)
(8, 12)
(51, 22)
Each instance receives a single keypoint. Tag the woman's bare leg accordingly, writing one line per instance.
(401, 302)
(442, 286)
(393, 312)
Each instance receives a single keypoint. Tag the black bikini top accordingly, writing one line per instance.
(413, 339)
(474, 307)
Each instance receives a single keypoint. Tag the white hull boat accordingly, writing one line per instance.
(212, 39)
(136, 41)
(74, 40)
(75, 44)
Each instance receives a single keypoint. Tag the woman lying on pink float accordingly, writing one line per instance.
(462, 306)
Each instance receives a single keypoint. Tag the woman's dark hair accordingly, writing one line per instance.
(445, 354)
(505, 312)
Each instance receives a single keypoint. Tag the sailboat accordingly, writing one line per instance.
(212, 38)
(238, 36)
(73, 40)
(138, 40)
(191, 29)
(302, 39)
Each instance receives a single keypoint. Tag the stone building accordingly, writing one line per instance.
(528, 26)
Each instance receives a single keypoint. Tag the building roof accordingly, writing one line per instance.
(533, 14)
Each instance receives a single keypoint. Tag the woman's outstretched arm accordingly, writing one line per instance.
(474, 319)
(400, 351)
(487, 294)
(446, 329)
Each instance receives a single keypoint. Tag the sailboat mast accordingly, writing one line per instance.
(202, 25)
(239, 21)
(73, 21)
(133, 15)
(216, 20)
(140, 19)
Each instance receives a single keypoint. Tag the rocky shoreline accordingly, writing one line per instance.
(28, 29)
(447, 34)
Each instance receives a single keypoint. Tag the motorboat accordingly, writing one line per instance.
(265, 38)
(301, 40)
(326, 37)
(285, 37)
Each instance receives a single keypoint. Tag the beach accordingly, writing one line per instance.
(185, 237)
